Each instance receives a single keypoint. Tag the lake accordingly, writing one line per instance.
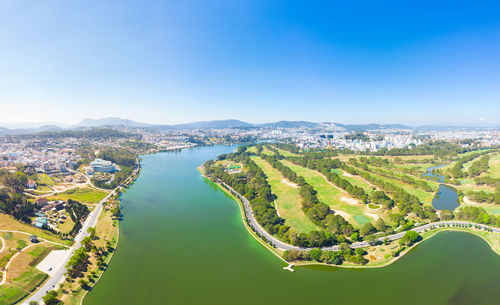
(182, 241)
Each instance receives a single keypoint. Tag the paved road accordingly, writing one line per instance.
(54, 281)
(284, 246)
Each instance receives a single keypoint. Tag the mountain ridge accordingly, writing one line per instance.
(219, 124)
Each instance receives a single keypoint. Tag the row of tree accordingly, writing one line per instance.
(367, 164)
(406, 202)
(457, 170)
(345, 253)
(479, 166)
(314, 209)
(326, 166)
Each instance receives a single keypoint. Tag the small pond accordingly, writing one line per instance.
(446, 197)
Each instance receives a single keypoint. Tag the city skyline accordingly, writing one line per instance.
(168, 63)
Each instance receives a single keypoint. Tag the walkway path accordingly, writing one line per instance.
(284, 246)
(91, 221)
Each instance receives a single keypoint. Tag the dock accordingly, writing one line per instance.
(289, 268)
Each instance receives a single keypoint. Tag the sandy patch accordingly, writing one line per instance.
(374, 216)
(347, 174)
(345, 215)
(350, 200)
(468, 201)
(289, 183)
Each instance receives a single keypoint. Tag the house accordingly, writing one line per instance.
(56, 205)
(41, 201)
(41, 222)
(31, 184)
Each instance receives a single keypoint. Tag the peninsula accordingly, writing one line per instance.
(354, 209)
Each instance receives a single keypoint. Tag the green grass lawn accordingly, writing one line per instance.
(330, 195)
(88, 195)
(46, 179)
(29, 279)
(288, 201)
(361, 219)
(286, 153)
(423, 196)
(252, 149)
(494, 166)
(266, 151)
(10, 294)
(420, 166)
(355, 180)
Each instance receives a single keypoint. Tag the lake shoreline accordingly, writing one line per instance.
(348, 265)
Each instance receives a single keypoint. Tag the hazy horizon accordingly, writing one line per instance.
(28, 125)
(169, 62)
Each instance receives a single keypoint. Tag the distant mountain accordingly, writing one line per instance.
(289, 124)
(111, 121)
(32, 125)
(44, 128)
(216, 124)
(30, 128)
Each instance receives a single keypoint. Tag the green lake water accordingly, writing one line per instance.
(182, 241)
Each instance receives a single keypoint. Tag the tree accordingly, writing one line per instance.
(366, 229)
(446, 215)
(116, 211)
(355, 236)
(83, 283)
(360, 251)
(91, 232)
(380, 225)
(87, 243)
(51, 298)
(409, 238)
(315, 254)
(336, 258)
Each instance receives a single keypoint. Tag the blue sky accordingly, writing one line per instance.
(424, 62)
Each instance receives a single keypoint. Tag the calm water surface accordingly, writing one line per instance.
(182, 242)
(446, 197)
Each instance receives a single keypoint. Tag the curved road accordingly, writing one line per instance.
(284, 246)
(54, 281)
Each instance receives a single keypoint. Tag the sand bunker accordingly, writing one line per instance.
(349, 200)
(289, 183)
(343, 214)
(468, 201)
(374, 216)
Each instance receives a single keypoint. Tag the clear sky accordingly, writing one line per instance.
(412, 62)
